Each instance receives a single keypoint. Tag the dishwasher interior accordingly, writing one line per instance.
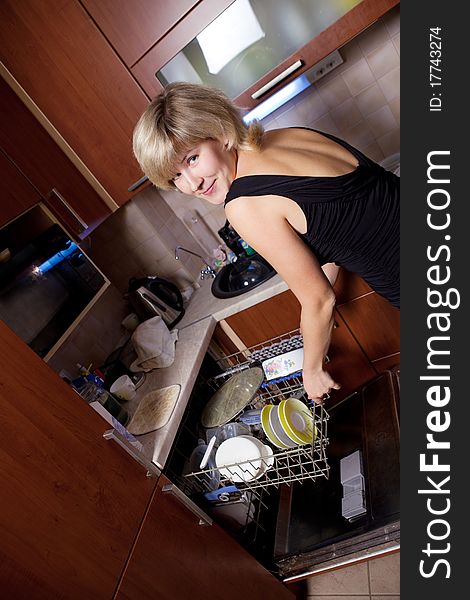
(281, 502)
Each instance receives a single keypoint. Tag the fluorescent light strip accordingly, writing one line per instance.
(278, 99)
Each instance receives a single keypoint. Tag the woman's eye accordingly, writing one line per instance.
(192, 159)
(175, 177)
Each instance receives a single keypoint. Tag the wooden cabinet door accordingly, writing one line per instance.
(375, 324)
(349, 364)
(16, 193)
(175, 557)
(66, 66)
(41, 160)
(134, 27)
(275, 316)
(70, 501)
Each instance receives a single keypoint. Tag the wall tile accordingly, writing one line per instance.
(346, 114)
(385, 574)
(350, 53)
(390, 142)
(373, 37)
(359, 135)
(348, 580)
(342, 597)
(358, 77)
(396, 42)
(395, 108)
(383, 59)
(382, 121)
(326, 124)
(391, 21)
(374, 152)
(334, 91)
(370, 100)
(390, 84)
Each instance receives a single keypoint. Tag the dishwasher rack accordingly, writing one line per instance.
(295, 464)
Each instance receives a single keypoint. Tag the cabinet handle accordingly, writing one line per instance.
(55, 193)
(152, 469)
(265, 88)
(171, 488)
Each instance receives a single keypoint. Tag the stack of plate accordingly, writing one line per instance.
(243, 458)
(288, 424)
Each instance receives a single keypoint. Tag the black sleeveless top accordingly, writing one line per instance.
(353, 220)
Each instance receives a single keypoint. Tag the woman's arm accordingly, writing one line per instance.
(270, 234)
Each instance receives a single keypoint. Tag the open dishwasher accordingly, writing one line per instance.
(243, 495)
(286, 505)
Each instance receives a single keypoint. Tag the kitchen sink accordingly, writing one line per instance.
(241, 276)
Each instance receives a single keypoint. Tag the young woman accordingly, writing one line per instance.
(301, 198)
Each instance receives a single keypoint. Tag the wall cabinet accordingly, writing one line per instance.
(134, 27)
(67, 67)
(42, 164)
(89, 67)
(331, 38)
(16, 192)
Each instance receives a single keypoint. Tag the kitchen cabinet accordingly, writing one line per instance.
(79, 517)
(71, 502)
(42, 164)
(176, 557)
(16, 192)
(330, 38)
(375, 324)
(134, 27)
(373, 321)
(67, 67)
(365, 340)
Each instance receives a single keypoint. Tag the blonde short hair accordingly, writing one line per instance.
(183, 115)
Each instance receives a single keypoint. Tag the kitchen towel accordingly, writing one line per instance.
(154, 345)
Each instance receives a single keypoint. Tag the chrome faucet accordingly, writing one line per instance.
(207, 272)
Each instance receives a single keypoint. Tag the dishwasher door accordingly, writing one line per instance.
(311, 528)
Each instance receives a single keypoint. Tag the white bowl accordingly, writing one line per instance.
(243, 458)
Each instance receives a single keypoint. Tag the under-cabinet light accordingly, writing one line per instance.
(278, 99)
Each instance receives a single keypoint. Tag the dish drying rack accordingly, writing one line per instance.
(300, 463)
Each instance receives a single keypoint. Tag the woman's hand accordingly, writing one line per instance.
(317, 384)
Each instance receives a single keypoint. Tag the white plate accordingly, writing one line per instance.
(243, 458)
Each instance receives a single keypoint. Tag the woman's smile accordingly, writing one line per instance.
(207, 171)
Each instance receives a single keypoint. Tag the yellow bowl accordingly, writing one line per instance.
(297, 421)
(272, 437)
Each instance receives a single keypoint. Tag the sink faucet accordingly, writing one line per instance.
(207, 272)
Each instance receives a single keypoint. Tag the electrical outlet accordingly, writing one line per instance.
(325, 66)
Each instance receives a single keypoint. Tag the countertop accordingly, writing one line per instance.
(194, 335)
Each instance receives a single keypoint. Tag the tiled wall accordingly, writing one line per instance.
(377, 579)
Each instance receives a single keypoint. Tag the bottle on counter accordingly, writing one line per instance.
(94, 393)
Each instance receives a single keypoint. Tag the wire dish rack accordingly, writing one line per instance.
(276, 467)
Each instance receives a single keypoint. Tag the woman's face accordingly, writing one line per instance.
(206, 171)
